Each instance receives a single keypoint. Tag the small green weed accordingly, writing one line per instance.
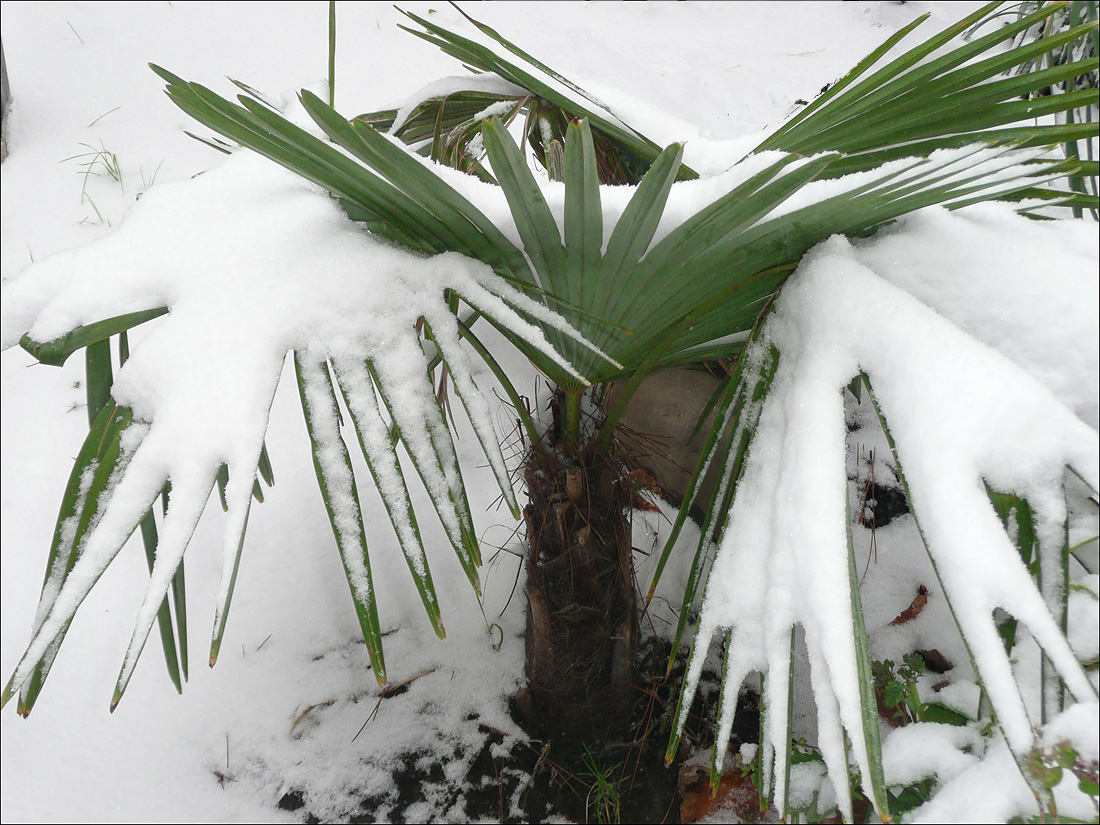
(898, 689)
(148, 183)
(97, 162)
(1047, 766)
(603, 794)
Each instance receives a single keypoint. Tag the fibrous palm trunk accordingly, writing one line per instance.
(582, 617)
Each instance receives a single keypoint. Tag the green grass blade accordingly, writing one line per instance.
(908, 496)
(479, 414)
(782, 241)
(777, 138)
(729, 399)
(986, 107)
(784, 804)
(1054, 585)
(729, 403)
(966, 119)
(1049, 567)
(98, 462)
(223, 482)
(669, 276)
(218, 146)
(272, 136)
(436, 118)
(939, 104)
(179, 605)
(266, 472)
(683, 705)
(381, 121)
(1019, 523)
(1018, 136)
(535, 223)
(723, 711)
(896, 77)
(179, 586)
(344, 176)
(901, 110)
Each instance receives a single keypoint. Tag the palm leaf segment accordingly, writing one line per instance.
(650, 295)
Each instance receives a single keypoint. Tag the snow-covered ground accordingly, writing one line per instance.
(290, 705)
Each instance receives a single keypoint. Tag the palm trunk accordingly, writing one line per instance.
(582, 617)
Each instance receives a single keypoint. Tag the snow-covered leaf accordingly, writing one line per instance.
(971, 398)
(252, 263)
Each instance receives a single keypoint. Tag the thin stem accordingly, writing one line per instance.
(332, 53)
(571, 434)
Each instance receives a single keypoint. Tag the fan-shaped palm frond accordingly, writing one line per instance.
(785, 491)
(213, 363)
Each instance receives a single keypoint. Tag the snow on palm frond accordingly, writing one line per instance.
(970, 405)
(253, 263)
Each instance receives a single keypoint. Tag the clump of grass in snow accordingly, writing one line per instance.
(98, 163)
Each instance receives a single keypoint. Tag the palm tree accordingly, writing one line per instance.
(589, 294)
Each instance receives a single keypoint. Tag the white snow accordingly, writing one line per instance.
(724, 72)
(924, 749)
(992, 788)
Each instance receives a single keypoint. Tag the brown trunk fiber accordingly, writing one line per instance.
(582, 618)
